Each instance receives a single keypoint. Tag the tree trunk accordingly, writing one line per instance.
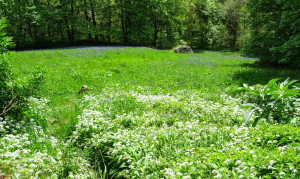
(29, 30)
(68, 29)
(155, 34)
(109, 27)
(66, 21)
(72, 25)
(93, 18)
(20, 25)
(124, 22)
(87, 18)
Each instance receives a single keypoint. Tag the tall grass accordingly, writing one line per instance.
(149, 114)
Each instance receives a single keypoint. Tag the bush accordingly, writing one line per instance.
(5, 71)
(275, 35)
(274, 101)
(14, 93)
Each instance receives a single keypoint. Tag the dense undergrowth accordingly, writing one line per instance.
(149, 114)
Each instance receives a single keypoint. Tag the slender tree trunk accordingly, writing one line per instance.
(72, 25)
(68, 29)
(124, 30)
(87, 18)
(49, 33)
(124, 22)
(20, 25)
(61, 34)
(66, 21)
(155, 34)
(109, 27)
(234, 39)
(29, 29)
(48, 26)
(93, 18)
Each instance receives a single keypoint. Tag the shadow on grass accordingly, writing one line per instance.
(253, 74)
(198, 51)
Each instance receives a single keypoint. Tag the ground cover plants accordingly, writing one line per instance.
(148, 114)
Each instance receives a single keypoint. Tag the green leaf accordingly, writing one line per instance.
(247, 115)
(273, 81)
(290, 93)
(283, 140)
(248, 105)
(255, 122)
(297, 85)
(291, 82)
(295, 144)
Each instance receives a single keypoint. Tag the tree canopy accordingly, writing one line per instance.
(262, 28)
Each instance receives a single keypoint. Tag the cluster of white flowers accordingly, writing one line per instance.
(143, 137)
(39, 106)
(20, 157)
(158, 141)
(27, 152)
(8, 125)
(150, 100)
(173, 135)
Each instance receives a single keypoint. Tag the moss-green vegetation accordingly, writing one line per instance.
(149, 114)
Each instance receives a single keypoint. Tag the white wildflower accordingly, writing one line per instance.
(281, 173)
(215, 171)
(218, 176)
(238, 162)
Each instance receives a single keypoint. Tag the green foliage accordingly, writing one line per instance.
(275, 31)
(274, 101)
(5, 70)
(14, 91)
(206, 24)
(40, 23)
(149, 113)
(232, 20)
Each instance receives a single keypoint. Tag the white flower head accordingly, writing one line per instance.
(227, 161)
(238, 162)
(218, 176)
(281, 173)
(215, 171)
(178, 173)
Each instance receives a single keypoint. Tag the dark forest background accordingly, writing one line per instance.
(268, 29)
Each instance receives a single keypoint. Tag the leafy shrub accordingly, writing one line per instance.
(5, 71)
(14, 90)
(275, 35)
(26, 151)
(203, 141)
(277, 101)
(165, 125)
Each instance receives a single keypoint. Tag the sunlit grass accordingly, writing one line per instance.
(181, 107)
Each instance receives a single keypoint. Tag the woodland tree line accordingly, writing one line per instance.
(268, 29)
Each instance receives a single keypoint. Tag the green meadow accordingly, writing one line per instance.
(148, 114)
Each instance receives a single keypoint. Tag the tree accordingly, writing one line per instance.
(160, 23)
(232, 16)
(14, 94)
(6, 92)
(275, 36)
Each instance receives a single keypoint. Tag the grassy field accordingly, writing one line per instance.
(149, 114)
